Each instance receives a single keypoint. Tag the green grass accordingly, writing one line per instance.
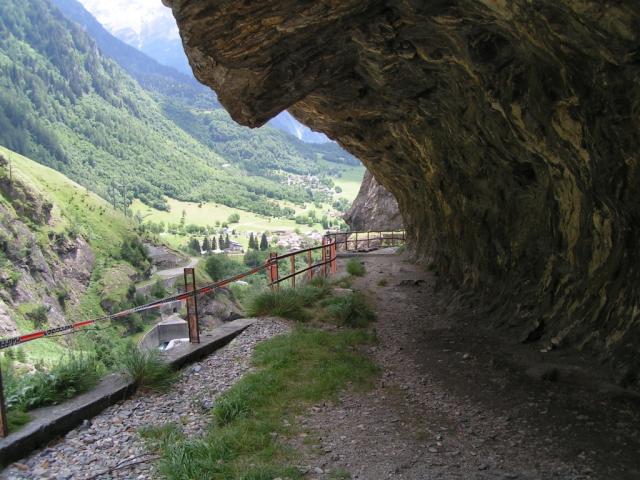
(147, 369)
(287, 302)
(16, 419)
(65, 379)
(350, 182)
(293, 371)
(351, 310)
(355, 268)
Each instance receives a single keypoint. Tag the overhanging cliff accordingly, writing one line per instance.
(507, 131)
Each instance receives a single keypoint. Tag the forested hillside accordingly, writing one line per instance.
(195, 108)
(66, 104)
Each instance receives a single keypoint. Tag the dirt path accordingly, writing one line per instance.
(452, 402)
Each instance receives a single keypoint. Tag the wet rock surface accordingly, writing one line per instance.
(111, 439)
(454, 401)
(507, 131)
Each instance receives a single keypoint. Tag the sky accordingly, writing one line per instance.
(134, 20)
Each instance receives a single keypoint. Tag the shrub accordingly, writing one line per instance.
(233, 218)
(133, 251)
(147, 369)
(351, 310)
(355, 268)
(38, 315)
(62, 294)
(221, 266)
(157, 289)
(253, 258)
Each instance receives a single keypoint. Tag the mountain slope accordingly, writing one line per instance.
(195, 108)
(66, 104)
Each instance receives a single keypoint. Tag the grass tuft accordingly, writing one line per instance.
(287, 302)
(147, 369)
(350, 310)
(355, 268)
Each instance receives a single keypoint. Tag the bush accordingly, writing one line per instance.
(253, 258)
(38, 315)
(233, 218)
(355, 268)
(134, 252)
(221, 266)
(158, 290)
(349, 310)
(147, 369)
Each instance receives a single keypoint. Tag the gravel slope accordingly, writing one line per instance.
(111, 438)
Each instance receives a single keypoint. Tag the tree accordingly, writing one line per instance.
(227, 242)
(221, 242)
(264, 243)
(194, 246)
(206, 246)
(233, 218)
(252, 242)
(214, 245)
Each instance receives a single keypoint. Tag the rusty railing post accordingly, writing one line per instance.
(274, 275)
(4, 427)
(333, 253)
(292, 261)
(357, 246)
(309, 263)
(192, 305)
(368, 243)
(346, 241)
(324, 257)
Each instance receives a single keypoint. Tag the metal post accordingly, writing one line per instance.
(309, 263)
(292, 261)
(368, 244)
(192, 305)
(273, 270)
(334, 266)
(346, 242)
(356, 241)
(324, 257)
(4, 428)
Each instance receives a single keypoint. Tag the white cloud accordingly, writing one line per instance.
(135, 21)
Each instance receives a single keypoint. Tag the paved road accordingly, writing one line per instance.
(176, 272)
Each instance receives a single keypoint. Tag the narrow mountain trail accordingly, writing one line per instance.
(451, 404)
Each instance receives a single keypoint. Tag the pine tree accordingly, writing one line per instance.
(221, 242)
(252, 241)
(194, 245)
(264, 244)
(214, 245)
(206, 246)
(227, 242)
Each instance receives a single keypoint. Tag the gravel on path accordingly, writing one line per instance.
(111, 438)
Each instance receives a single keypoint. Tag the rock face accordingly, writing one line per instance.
(507, 131)
(375, 208)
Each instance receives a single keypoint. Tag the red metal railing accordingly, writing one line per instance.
(326, 265)
(367, 240)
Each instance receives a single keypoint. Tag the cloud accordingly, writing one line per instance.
(135, 21)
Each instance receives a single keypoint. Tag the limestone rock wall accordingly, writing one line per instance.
(508, 131)
(375, 208)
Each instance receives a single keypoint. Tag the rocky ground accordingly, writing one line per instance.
(111, 439)
(454, 401)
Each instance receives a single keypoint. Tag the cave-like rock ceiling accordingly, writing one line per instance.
(508, 130)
